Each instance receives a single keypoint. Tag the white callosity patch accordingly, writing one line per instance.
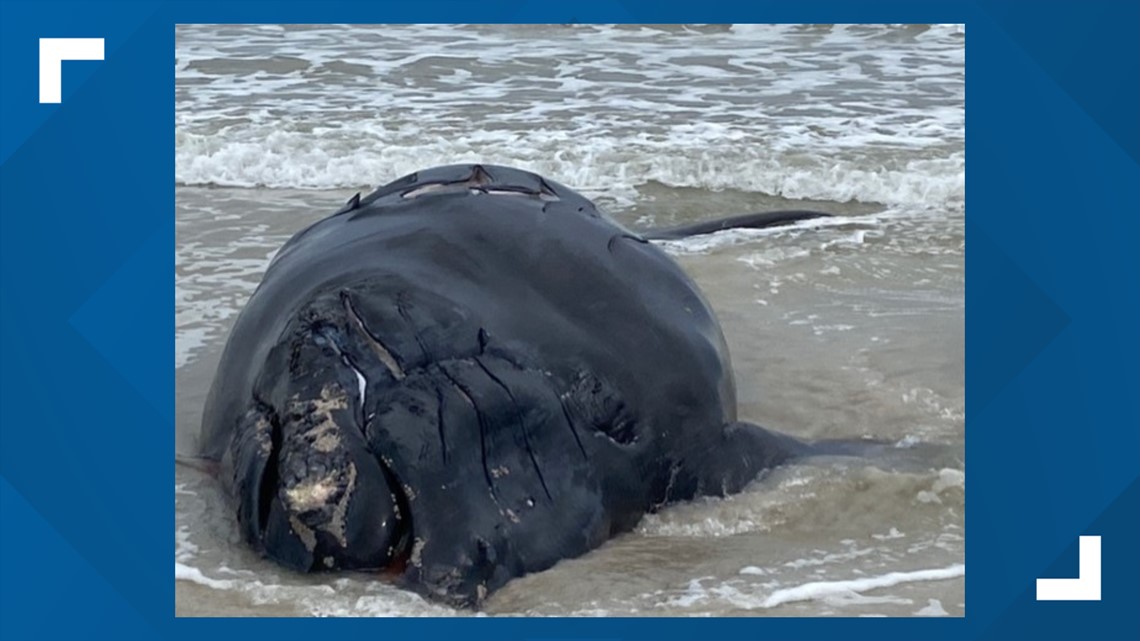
(324, 434)
(320, 500)
(336, 525)
(311, 495)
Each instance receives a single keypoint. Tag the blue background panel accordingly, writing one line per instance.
(86, 318)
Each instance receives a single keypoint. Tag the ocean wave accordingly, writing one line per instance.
(869, 113)
(834, 593)
(283, 159)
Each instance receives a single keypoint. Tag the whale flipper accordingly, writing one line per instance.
(744, 221)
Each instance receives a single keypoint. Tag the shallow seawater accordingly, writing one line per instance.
(849, 327)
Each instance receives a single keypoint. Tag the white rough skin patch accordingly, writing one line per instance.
(303, 532)
(332, 398)
(325, 435)
(312, 495)
(263, 432)
(336, 525)
(417, 552)
(327, 439)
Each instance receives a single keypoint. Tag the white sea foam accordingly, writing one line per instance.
(825, 589)
(933, 609)
(183, 572)
(184, 549)
(339, 597)
(892, 534)
(284, 159)
(743, 595)
(736, 514)
(948, 480)
(799, 112)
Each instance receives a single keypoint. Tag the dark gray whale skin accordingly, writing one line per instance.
(469, 375)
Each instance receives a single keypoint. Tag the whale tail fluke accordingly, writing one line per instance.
(904, 455)
(759, 448)
(855, 447)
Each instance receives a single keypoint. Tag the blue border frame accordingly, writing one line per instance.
(1053, 346)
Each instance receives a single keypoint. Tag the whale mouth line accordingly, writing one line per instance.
(400, 548)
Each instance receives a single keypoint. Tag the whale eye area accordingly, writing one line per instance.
(596, 403)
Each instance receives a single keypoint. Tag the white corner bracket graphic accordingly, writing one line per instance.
(53, 51)
(1086, 587)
